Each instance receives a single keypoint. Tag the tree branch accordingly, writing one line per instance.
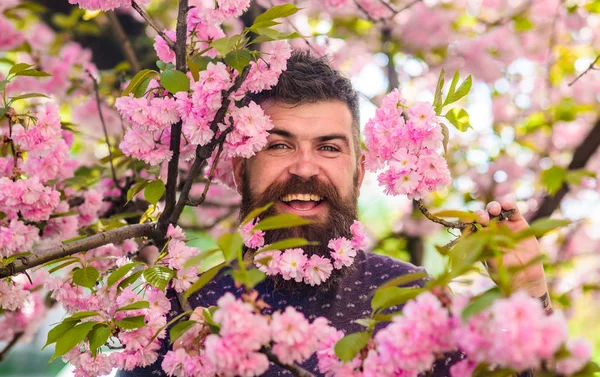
(63, 250)
(99, 106)
(153, 24)
(581, 156)
(10, 345)
(589, 68)
(296, 370)
(125, 44)
(175, 141)
(457, 224)
(210, 178)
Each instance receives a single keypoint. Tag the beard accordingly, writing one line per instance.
(340, 215)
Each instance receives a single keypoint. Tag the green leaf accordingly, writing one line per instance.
(19, 67)
(180, 328)
(255, 213)
(459, 118)
(80, 315)
(593, 6)
(159, 276)
(138, 79)
(134, 306)
(462, 91)
(391, 296)
(72, 338)
(437, 98)
(119, 273)
(271, 33)
(231, 245)
(574, 177)
(33, 73)
(553, 178)
(278, 11)
(224, 45)
(591, 368)
(248, 278)
(28, 95)
(98, 337)
(63, 265)
(446, 134)
(461, 215)
(284, 220)
(135, 189)
(197, 259)
(288, 243)
(197, 64)
(86, 277)
(404, 279)
(175, 81)
(522, 23)
(541, 227)
(481, 302)
(140, 90)
(131, 323)
(350, 345)
(203, 280)
(154, 191)
(466, 252)
(238, 59)
(58, 331)
(455, 79)
(129, 280)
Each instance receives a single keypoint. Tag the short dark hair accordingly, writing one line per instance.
(310, 79)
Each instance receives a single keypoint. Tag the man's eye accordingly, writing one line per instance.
(278, 146)
(329, 148)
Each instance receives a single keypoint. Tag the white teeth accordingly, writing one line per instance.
(302, 197)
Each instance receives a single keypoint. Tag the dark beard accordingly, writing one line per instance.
(341, 214)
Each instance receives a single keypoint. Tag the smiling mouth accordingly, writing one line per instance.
(302, 202)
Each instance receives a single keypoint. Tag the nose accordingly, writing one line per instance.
(305, 165)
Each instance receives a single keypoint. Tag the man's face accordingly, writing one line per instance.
(309, 166)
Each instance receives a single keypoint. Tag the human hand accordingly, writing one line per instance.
(531, 279)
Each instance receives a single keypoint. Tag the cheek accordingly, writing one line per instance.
(261, 174)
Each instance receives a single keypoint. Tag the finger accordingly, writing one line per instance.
(484, 218)
(516, 216)
(494, 208)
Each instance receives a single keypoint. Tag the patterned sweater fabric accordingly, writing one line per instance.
(341, 305)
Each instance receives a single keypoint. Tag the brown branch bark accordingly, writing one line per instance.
(63, 250)
(589, 68)
(175, 141)
(581, 156)
(125, 44)
(296, 370)
(10, 345)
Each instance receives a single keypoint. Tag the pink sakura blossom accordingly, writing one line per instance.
(16, 237)
(463, 368)
(342, 252)
(34, 201)
(44, 134)
(328, 361)
(137, 144)
(264, 74)
(12, 296)
(252, 239)
(159, 302)
(580, 353)
(317, 270)
(291, 264)
(164, 52)
(359, 236)
(10, 38)
(50, 165)
(271, 266)
(175, 232)
(179, 253)
(89, 210)
(249, 134)
(105, 5)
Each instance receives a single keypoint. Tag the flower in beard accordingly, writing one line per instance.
(317, 270)
(252, 239)
(343, 253)
(268, 262)
(291, 264)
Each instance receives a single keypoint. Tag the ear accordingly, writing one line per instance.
(237, 165)
(361, 170)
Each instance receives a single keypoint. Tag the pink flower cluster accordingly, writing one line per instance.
(224, 10)
(105, 5)
(264, 74)
(252, 239)
(178, 254)
(250, 131)
(16, 237)
(294, 264)
(10, 38)
(29, 198)
(235, 350)
(407, 150)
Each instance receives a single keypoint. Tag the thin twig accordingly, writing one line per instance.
(10, 345)
(99, 105)
(296, 370)
(589, 68)
(210, 179)
(63, 250)
(153, 24)
(175, 140)
(125, 44)
(448, 224)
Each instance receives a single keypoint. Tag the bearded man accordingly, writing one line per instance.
(312, 166)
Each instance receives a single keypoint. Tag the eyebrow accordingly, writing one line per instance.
(289, 135)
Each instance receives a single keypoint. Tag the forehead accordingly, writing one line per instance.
(311, 120)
